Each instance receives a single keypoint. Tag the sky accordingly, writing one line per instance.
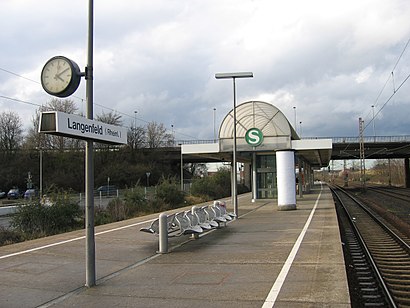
(155, 60)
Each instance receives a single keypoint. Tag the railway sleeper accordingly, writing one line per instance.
(398, 281)
(357, 255)
(386, 255)
(403, 301)
(382, 249)
(359, 262)
(362, 271)
(373, 298)
(404, 264)
(367, 284)
(365, 278)
(401, 293)
(370, 291)
(360, 266)
(399, 287)
(396, 275)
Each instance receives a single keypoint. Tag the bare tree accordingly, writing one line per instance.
(391, 172)
(157, 135)
(136, 137)
(46, 141)
(11, 132)
(110, 118)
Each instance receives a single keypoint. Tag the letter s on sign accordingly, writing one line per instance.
(254, 137)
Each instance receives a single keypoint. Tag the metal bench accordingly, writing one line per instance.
(193, 222)
(187, 224)
(222, 208)
(154, 227)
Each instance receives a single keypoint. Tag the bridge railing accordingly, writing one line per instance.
(366, 139)
(207, 141)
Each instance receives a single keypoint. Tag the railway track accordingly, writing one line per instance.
(379, 260)
(396, 193)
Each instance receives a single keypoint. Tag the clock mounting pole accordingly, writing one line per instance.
(89, 159)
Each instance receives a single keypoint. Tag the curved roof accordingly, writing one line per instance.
(256, 114)
(277, 132)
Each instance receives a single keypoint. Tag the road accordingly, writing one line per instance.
(98, 203)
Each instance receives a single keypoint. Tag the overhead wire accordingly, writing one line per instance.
(391, 76)
(78, 97)
(19, 100)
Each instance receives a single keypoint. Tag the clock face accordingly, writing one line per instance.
(60, 76)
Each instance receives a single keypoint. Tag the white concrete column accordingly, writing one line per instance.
(254, 180)
(285, 164)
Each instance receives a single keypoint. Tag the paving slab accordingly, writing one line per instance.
(235, 266)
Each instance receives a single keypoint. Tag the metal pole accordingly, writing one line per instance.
(163, 233)
(234, 182)
(41, 173)
(374, 129)
(182, 170)
(233, 173)
(89, 160)
(214, 126)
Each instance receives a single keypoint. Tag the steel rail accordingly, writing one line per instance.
(379, 276)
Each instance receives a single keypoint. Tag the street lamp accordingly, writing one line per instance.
(233, 76)
(294, 123)
(134, 131)
(173, 134)
(214, 125)
(374, 129)
(182, 169)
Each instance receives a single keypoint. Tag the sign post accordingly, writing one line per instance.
(57, 83)
(148, 174)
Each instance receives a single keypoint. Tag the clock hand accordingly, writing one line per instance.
(58, 77)
(59, 74)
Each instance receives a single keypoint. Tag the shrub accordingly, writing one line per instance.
(203, 187)
(135, 201)
(102, 217)
(35, 219)
(9, 237)
(117, 209)
(213, 187)
(168, 190)
(191, 200)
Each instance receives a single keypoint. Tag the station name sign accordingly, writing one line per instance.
(74, 126)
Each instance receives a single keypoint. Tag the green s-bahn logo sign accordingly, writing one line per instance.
(254, 137)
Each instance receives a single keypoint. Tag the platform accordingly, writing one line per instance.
(266, 257)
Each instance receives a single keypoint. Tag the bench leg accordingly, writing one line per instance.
(195, 236)
(163, 233)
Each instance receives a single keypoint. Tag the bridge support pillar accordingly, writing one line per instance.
(407, 173)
